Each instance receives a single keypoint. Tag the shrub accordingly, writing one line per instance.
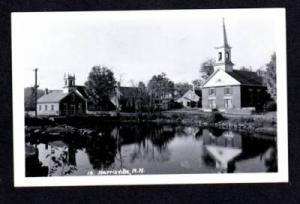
(271, 106)
(215, 117)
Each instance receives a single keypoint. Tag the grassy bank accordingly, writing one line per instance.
(261, 124)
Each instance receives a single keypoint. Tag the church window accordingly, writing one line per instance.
(227, 90)
(220, 56)
(212, 103)
(228, 103)
(227, 55)
(212, 91)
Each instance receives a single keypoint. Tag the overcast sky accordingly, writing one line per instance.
(136, 44)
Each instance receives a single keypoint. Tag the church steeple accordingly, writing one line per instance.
(223, 57)
(225, 35)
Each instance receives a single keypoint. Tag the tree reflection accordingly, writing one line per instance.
(148, 142)
(162, 136)
(102, 150)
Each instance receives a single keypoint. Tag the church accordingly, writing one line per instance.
(232, 90)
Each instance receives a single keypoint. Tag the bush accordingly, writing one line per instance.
(215, 117)
(271, 106)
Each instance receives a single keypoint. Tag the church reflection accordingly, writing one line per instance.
(221, 148)
(224, 149)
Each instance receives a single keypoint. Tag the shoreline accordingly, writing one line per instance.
(207, 120)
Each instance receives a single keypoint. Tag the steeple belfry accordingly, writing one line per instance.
(223, 57)
(69, 83)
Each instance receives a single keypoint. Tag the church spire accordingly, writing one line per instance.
(223, 57)
(225, 35)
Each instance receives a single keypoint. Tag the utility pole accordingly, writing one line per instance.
(35, 91)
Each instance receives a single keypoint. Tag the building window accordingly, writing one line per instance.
(40, 107)
(228, 103)
(212, 103)
(227, 90)
(46, 107)
(227, 56)
(212, 92)
(219, 56)
(52, 107)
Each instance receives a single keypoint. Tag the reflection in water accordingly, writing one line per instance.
(102, 150)
(158, 149)
(223, 148)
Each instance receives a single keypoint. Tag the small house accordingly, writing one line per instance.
(189, 99)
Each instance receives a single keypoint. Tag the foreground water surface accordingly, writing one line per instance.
(153, 149)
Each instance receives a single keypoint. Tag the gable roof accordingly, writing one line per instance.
(242, 76)
(189, 95)
(224, 79)
(82, 90)
(52, 97)
(246, 77)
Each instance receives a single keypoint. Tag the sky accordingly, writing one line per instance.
(136, 45)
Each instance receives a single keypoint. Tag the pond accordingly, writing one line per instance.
(153, 149)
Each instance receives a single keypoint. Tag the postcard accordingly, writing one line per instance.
(149, 97)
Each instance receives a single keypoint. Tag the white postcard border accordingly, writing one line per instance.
(282, 141)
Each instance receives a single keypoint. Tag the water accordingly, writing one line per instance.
(153, 149)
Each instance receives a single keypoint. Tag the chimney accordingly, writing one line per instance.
(46, 91)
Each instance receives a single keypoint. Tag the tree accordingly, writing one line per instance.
(197, 83)
(244, 68)
(182, 88)
(270, 76)
(100, 85)
(30, 98)
(142, 86)
(160, 86)
(207, 68)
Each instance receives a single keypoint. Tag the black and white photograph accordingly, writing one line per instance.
(149, 97)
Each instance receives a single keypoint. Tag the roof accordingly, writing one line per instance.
(128, 91)
(189, 95)
(82, 91)
(246, 77)
(242, 76)
(52, 97)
